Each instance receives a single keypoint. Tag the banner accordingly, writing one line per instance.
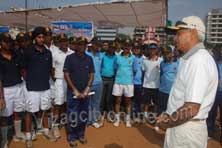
(4, 29)
(74, 29)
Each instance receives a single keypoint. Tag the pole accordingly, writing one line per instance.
(26, 16)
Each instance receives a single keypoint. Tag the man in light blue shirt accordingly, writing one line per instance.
(97, 85)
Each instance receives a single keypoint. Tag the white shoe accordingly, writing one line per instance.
(5, 145)
(137, 120)
(156, 128)
(56, 132)
(29, 144)
(116, 123)
(34, 137)
(128, 124)
(40, 131)
(96, 125)
(20, 137)
(49, 135)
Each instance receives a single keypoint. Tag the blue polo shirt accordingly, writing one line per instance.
(124, 66)
(219, 67)
(108, 69)
(137, 67)
(38, 66)
(10, 70)
(79, 69)
(168, 73)
(97, 60)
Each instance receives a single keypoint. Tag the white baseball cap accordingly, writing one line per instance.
(192, 22)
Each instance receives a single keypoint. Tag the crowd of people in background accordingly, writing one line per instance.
(43, 75)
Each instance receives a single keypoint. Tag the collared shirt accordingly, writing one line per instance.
(38, 65)
(152, 73)
(108, 69)
(10, 70)
(168, 73)
(196, 82)
(58, 57)
(97, 60)
(79, 69)
(137, 66)
(124, 66)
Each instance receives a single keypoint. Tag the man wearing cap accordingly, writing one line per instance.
(39, 67)
(12, 96)
(97, 85)
(124, 82)
(72, 43)
(194, 89)
(108, 75)
(59, 57)
(79, 74)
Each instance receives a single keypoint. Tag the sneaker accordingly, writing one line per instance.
(29, 144)
(73, 144)
(137, 120)
(34, 137)
(56, 132)
(116, 123)
(18, 138)
(40, 131)
(128, 124)
(50, 136)
(4, 145)
(96, 125)
(83, 140)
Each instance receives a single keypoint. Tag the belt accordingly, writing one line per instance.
(197, 120)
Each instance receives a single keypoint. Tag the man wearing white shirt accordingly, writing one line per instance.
(59, 57)
(193, 91)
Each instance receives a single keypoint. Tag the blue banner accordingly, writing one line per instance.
(74, 28)
(4, 29)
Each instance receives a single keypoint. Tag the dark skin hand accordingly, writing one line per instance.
(182, 115)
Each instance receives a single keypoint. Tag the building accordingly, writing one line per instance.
(214, 27)
(106, 34)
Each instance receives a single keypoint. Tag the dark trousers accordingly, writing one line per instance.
(137, 99)
(77, 111)
(162, 102)
(107, 103)
(213, 113)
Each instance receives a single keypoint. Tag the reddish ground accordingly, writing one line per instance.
(141, 136)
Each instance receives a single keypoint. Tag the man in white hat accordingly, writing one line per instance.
(193, 91)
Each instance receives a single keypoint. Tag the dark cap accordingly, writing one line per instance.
(153, 46)
(5, 37)
(22, 37)
(62, 37)
(72, 40)
(136, 44)
(48, 31)
(112, 45)
(118, 39)
(81, 40)
(37, 31)
(127, 42)
(94, 40)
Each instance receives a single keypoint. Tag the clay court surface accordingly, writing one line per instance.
(139, 136)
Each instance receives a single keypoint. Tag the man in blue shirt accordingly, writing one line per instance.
(168, 70)
(79, 74)
(97, 85)
(124, 81)
(108, 74)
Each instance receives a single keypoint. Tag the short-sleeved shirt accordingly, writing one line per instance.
(124, 66)
(168, 73)
(137, 66)
(58, 57)
(152, 73)
(196, 81)
(79, 69)
(38, 65)
(10, 70)
(97, 60)
(108, 69)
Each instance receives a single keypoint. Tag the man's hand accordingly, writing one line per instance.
(86, 91)
(2, 104)
(77, 94)
(162, 120)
